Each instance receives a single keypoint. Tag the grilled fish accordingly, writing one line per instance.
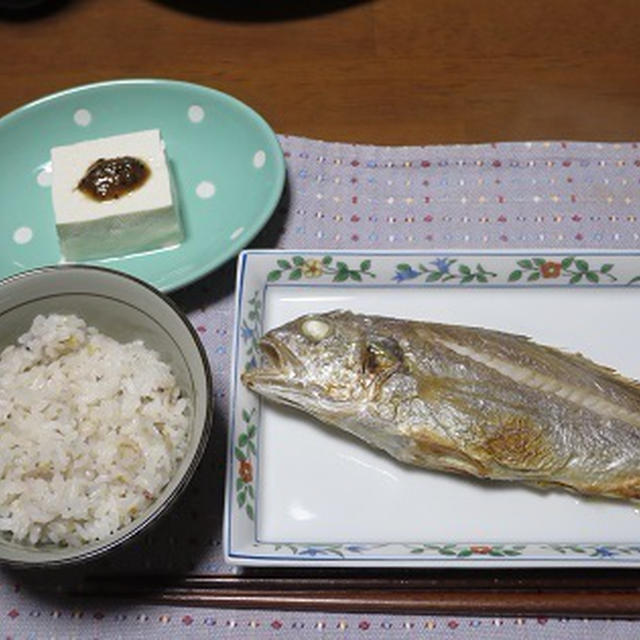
(460, 399)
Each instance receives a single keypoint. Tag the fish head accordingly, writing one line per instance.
(328, 363)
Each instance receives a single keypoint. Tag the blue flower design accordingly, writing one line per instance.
(604, 552)
(312, 551)
(355, 548)
(442, 264)
(246, 332)
(407, 274)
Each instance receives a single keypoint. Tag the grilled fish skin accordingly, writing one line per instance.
(460, 399)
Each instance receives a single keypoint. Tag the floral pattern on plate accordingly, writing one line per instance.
(392, 270)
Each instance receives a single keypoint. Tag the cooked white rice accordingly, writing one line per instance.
(91, 431)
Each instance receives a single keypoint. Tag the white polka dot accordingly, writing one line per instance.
(259, 158)
(237, 232)
(82, 117)
(22, 235)
(45, 175)
(205, 189)
(196, 113)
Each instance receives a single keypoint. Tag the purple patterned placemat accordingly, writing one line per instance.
(515, 195)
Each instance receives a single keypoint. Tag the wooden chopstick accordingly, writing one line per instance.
(519, 593)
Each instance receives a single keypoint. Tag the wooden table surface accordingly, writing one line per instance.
(378, 71)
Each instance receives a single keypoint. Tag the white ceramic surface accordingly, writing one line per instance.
(323, 497)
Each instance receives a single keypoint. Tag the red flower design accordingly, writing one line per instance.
(551, 269)
(481, 549)
(246, 471)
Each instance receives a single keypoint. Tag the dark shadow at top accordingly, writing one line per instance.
(259, 10)
(28, 10)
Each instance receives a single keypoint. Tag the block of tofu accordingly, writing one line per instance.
(138, 216)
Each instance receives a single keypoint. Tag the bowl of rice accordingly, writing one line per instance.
(105, 411)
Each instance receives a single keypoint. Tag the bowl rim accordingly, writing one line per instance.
(168, 502)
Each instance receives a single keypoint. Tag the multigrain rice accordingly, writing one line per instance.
(91, 430)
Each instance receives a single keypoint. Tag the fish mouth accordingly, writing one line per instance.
(280, 365)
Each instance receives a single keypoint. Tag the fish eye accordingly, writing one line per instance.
(316, 330)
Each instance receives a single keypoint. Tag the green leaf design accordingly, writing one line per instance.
(354, 275)
(433, 276)
(341, 276)
(403, 267)
(525, 264)
(482, 278)
(342, 266)
(283, 264)
(240, 455)
(251, 447)
(249, 511)
(567, 262)
(592, 276)
(444, 551)
(242, 498)
(417, 550)
(534, 276)
(296, 274)
(274, 275)
(327, 260)
(298, 261)
(467, 278)
(515, 275)
(464, 553)
(251, 431)
(463, 268)
(365, 265)
(539, 261)
(243, 439)
(250, 491)
(239, 484)
(246, 416)
(575, 278)
(605, 268)
(582, 265)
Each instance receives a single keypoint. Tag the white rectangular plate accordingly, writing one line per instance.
(300, 493)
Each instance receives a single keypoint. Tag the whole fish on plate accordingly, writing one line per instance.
(461, 399)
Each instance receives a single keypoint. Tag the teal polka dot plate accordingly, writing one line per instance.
(226, 162)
